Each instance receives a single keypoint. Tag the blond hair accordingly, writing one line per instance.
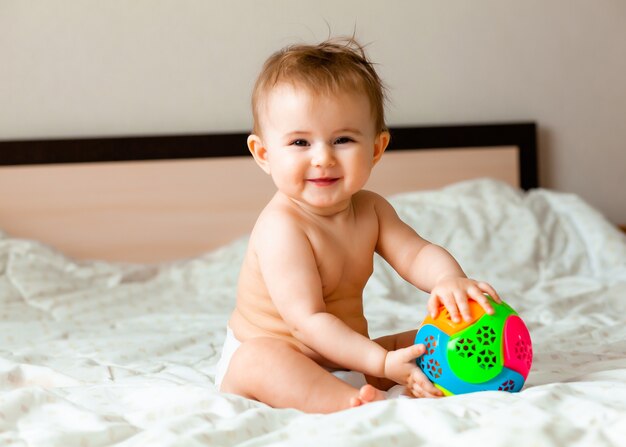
(332, 66)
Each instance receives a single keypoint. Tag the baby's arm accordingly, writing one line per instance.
(428, 266)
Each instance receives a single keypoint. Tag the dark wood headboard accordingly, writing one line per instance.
(169, 147)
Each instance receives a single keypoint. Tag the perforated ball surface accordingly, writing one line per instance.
(487, 353)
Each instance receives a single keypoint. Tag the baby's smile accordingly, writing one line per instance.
(323, 181)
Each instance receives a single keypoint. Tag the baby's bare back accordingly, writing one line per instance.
(343, 248)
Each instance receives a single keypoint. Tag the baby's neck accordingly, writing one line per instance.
(338, 211)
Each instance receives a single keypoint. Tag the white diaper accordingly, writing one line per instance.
(352, 378)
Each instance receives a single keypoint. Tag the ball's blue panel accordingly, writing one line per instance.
(434, 361)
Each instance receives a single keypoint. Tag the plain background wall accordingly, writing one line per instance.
(120, 67)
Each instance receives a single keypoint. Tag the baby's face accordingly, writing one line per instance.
(320, 148)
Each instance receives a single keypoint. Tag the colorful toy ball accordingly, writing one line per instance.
(487, 353)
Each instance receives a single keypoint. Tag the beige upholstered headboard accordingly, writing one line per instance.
(153, 199)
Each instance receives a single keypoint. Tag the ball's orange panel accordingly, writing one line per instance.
(445, 323)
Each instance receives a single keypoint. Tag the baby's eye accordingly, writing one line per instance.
(299, 142)
(343, 140)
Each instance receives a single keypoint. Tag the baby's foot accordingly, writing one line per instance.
(367, 394)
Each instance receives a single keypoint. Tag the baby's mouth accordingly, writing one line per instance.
(323, 181)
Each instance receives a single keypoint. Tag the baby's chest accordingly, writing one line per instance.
(345, 263)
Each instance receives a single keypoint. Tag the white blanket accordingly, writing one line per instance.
(95, 354)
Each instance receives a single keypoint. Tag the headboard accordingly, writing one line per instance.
(160, 198)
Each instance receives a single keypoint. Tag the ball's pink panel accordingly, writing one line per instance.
(518, 349)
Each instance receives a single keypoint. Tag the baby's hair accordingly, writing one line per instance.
(335, 65)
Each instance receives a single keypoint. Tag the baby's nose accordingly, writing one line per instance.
(323, 156)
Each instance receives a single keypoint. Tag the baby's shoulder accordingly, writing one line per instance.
(366, 194)
(369, 200)
(277, 218)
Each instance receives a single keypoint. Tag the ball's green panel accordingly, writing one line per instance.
(504, 307)
(475, 354)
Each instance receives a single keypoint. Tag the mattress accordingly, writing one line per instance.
(95, 353)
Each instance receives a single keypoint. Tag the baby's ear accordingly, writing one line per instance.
(382, 140)
(258, 151)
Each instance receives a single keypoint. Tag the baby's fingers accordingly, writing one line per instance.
(420, 386)
(410, 353)
(433, 305)
(490, 291)
(462, 303)
(477, 295)
(448, 301)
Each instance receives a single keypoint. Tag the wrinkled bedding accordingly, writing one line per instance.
(95, 353)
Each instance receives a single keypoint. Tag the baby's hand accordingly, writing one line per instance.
(453, 293)
(400, 367)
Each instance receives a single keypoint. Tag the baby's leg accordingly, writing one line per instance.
(277, 373)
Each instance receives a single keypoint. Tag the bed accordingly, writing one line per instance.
(118, 266)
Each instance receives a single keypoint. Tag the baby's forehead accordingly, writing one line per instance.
(285, 103)
(276, 95)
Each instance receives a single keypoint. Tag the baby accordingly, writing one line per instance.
(319, 129)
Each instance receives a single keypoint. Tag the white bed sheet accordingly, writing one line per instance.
(95, 354)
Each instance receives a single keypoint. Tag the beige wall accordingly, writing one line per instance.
(93, 67)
